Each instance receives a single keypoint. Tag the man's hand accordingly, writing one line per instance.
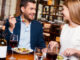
(12, 22)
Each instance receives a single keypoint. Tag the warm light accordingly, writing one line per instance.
(49, 2)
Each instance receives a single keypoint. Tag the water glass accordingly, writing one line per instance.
(38, 55)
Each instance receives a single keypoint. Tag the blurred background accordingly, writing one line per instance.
(48, 12)
(46, 9)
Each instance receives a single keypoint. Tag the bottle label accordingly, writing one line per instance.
(3, 51)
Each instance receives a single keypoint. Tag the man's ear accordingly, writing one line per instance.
(22, 9)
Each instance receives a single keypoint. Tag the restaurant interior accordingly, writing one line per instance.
(48, 13)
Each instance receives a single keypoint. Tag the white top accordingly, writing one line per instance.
(70, 38)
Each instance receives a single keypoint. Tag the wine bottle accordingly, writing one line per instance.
(3, 46)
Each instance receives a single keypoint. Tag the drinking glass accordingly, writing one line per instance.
(68, 57)
(52, 53)
(38, 55)
(13, 43)
(2, 27)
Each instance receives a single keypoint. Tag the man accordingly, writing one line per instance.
(29, 31)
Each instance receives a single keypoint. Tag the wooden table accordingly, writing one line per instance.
(22, 56)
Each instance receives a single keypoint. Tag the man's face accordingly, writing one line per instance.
(29, 11)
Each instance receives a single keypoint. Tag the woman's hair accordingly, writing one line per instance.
(74, 10)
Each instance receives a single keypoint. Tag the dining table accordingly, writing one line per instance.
(21, 56)
(18, 56)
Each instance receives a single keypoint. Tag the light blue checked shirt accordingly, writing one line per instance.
(24, 36)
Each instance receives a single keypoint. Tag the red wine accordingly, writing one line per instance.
(51, 56)
(13, 43)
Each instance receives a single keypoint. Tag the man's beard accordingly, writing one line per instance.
(27, 18)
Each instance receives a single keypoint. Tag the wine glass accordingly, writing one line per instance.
(13, 43)
(2, 28)
(52, 53)
(2, 25)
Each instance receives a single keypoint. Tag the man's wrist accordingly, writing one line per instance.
(11, 29)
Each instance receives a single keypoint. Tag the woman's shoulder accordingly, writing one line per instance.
(78, 29)
(64, 26)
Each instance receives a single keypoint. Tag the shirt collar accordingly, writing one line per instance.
(23, 22)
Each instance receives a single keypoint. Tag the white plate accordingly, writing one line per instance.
(22, 50)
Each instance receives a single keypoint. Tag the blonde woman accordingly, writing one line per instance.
(70, 34)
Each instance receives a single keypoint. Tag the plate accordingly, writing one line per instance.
(22, 50)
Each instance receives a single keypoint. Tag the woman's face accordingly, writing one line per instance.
(65, 13)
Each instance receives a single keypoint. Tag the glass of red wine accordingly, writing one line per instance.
(52, 53)
(13, 43)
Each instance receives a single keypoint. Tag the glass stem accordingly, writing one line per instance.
(12, 53)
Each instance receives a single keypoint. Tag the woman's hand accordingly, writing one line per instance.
(53, 44)
(70, 52)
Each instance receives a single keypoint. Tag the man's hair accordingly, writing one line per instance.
(25, 2)
(74, 10)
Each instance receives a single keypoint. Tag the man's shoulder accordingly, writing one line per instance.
(36, 22)
(18, 18)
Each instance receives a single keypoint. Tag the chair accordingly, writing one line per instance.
(55, 31)
(46, 31)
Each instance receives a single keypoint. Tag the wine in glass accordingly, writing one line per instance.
(52, 53)
(13, 43)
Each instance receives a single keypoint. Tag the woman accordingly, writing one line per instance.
(70, 34)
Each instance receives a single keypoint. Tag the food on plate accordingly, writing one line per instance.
(59, 57)
(21, 50)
